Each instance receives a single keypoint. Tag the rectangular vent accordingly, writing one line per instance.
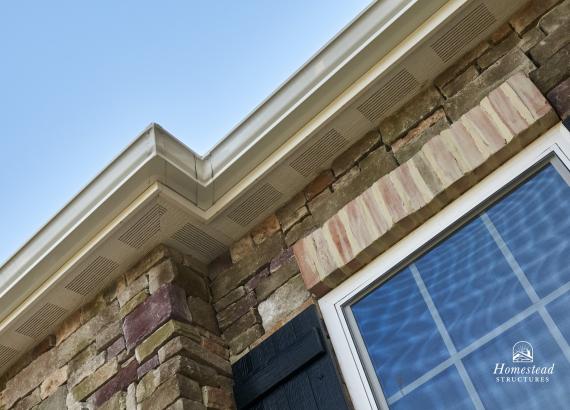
(251, 207)
(91, 277)
(40, 322)
(389, 95)
(199, 241)
(457, 38)
(6, 354)
(324, 148)
(145, 228)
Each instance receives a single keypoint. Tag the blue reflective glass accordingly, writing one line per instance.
(534, 222)
(501, 278)
(559, 309)
(507, 394)
(444, 391)
(399, 333)
(471, 284)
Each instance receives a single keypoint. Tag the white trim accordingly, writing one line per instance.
(556, 140)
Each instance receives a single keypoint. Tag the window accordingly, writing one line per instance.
(471, 310)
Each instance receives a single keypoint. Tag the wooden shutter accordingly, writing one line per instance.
(292, 369)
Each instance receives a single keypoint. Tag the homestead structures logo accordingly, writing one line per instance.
(523, 371)
(522, 352)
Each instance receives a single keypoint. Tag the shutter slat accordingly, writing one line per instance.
(279, 367)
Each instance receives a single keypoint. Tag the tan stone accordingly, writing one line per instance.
(149, 260)
(29, 378)
(185, 404)
(245, 339)
(265, 229)
(84, 364)
(160, 336)
(217, 398)
(106, 336)
(202, 314)
(85, 335)
(116, 402)
(524, 18)
(133, 303)
(169, 391)
(29, 401)
(92, 309)
(132, 289)
(186, 347)
(53, 381)
(241, 248)
(285, 299)
(230, 298)
(318, 185)
(55, 401)
(300, 229)
(92, 382)
(68, 326)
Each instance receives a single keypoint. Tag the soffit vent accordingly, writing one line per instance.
(199, 241)
(389, 95)
(250, 208)
(41, 321)
(6, 354)
(463, 32)
(91, 277)
(315, 156)
(145, 228)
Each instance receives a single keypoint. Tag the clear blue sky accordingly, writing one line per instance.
(80, 80)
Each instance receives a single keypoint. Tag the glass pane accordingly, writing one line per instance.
(521, 394)
(400, 336)
(559, 309)
(444, 391)
(472, 286)
(534, 222)
(502, 278)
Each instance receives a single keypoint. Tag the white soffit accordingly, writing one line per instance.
(159, 191)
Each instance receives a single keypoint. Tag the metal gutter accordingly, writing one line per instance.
(156, 155)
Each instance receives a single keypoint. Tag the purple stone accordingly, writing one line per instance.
(120, 381)
(147, 366)
(168, 302)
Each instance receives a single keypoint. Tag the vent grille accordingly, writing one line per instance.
(40, 322)
(467, 29)
(92, 276)
(324, 148)
(250, 208)
(6, 354)
(198, 240)
(390, 95)
(145, 228)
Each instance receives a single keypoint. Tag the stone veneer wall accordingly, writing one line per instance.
(257, 286)
(150, 341)
(165, 334)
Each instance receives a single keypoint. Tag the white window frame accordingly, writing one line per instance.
(556, 140)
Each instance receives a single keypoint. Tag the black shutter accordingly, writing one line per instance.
(292, 369)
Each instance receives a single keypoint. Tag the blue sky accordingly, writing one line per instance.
(80, 80)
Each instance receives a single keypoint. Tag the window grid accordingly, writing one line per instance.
(455, 359)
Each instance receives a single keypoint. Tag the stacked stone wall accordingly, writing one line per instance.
(149, 341)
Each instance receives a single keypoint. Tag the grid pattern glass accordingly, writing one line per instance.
(435, 331)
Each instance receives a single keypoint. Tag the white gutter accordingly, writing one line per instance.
(156, 155)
